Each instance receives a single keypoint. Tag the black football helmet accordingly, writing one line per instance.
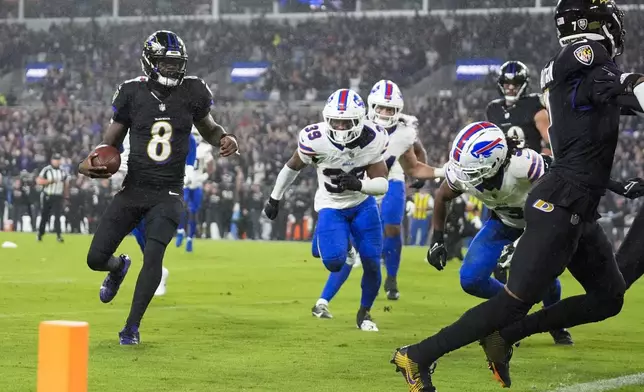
(164, 58)
(597, 20)
(514, 73)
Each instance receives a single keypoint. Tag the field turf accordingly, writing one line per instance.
(237, 318)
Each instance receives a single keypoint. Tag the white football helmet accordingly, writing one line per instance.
(478, 152)
(344, 115)
(385, 94)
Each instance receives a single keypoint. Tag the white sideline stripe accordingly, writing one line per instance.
(605, 385)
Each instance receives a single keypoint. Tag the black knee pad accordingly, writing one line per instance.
(96, 259)
(153, 253)
(605, 306)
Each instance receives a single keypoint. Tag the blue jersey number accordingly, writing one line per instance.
(313, 132)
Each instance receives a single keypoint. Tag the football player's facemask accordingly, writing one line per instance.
(597, 20)
(164, 58)
(477, 153)
(513, 81)
(385, 104)
(344, 115)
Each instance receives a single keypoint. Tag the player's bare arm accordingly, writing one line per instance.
(285, 178)
(216, 135)
(419, 150)
(413, 167)
(437, 254)
(114, 136)
(542, 122)
(444, 195)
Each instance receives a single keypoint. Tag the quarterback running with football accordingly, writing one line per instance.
(157, 111)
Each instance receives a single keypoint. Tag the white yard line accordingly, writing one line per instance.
(605, 385)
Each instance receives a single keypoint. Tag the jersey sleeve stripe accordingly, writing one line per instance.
(539, 170)
(533, 165)
(384, 149)
(305, 148)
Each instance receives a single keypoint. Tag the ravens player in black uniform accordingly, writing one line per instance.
(159, 110)
(519, 114)
(583, 87)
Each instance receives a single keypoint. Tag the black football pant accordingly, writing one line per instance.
(161, 212)
(630, 256)
(51, 205)
(553, 240)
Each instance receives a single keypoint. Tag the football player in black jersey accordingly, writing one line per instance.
(158, 110)
(519, 114)
(584, 92)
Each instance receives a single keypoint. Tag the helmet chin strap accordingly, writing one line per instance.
(611, 39)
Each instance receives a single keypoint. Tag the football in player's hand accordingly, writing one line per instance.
(107, 156)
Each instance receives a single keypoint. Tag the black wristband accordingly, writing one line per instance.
(438, 237)
(616, 187)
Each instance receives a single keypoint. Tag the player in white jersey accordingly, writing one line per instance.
(486, 165)
(347, 152)
(385, 107)
(139, 230)
(198, 166)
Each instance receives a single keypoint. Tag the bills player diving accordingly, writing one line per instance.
(197, 172)
(347, 152)
(487, 165)
(385, 109)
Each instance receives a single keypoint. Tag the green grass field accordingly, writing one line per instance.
(237, 318)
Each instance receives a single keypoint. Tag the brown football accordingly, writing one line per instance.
(108, 156)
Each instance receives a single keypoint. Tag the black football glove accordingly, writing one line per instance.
(609, 85)
(437, 254)
(417, 184)
(271, 208)
(348, 182)
(633, 188)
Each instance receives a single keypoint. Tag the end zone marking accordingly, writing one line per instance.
(604, 385)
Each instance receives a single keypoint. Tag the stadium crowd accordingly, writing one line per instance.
(319, 54)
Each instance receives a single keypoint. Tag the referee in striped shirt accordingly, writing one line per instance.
(54, 182)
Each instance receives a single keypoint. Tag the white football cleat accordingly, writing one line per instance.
(162, 285)
(369, 326)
